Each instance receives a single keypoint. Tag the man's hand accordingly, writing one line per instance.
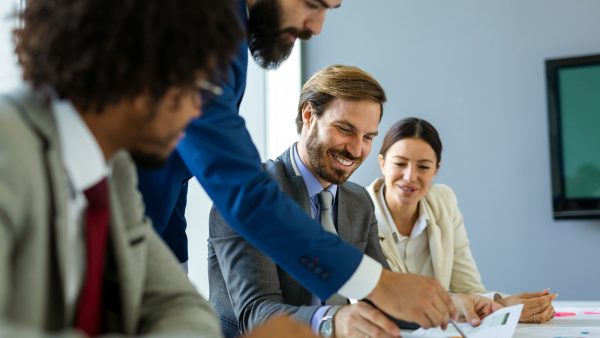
(413, 298)
(473, 308)
(282, 326)
(363, 320)
(537, 306)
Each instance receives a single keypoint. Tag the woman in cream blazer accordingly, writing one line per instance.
(421, 229)
(451, 259)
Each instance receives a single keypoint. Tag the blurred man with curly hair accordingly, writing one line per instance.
(110, 82)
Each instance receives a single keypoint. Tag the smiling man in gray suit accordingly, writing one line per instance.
(77, 254)
(338, 117)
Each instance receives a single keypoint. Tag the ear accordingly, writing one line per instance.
(307, 114)
(140, 102)
(381, 162)
(439, 164)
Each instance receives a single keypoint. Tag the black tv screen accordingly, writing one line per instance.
(574, 120)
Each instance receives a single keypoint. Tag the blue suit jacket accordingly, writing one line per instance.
(219, 152)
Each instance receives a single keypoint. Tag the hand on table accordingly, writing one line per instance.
(537, 306)
(413, 298)
(362, 320)
(473, 308)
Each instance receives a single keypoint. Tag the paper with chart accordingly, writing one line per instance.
(500, 324)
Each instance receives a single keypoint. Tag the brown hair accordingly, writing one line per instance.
(412, 127)
(338, 81)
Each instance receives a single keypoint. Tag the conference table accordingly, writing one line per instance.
(577, 319)
(574, 319)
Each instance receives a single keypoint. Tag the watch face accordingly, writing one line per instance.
(326, 328)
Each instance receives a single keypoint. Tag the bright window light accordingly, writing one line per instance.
(282, 92)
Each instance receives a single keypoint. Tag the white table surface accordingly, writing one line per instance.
(589, 325)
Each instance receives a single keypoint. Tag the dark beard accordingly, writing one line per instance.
(319, 163)
(147, 161)
(267, 41)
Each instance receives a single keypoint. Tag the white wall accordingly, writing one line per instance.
(475, 69)
(10, 75)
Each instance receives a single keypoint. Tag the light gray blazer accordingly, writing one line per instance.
(453, 263)
(145, 290)
(246, 287)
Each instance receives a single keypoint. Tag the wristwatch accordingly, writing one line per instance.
(326, 327)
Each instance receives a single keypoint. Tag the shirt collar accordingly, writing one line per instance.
(83, 158)
(312, 183)
(420, 223)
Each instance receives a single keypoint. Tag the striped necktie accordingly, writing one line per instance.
(326, 206)
(326, 217)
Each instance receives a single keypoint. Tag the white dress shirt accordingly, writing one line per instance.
(85, 166)
(413, 249)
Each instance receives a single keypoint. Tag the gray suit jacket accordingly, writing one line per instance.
(145, 290)
(246, 287)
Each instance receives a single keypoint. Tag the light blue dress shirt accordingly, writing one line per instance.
(314, 187)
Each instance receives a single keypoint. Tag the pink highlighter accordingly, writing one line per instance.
(564, 314)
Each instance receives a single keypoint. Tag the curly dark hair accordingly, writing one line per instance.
(97, 52)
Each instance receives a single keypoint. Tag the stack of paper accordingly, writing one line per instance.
(500, 324)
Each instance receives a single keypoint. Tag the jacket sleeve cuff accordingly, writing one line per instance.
(364, 279)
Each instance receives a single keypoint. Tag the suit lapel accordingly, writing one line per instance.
(295, 186)
(122, 274)
(60, 196)
(38, 113)
(436, 250)
(129, 277)
(345, 227)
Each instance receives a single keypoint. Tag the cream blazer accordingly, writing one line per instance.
(453, 263)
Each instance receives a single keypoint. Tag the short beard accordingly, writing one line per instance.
(266, 39)
(319, 163)
(147, 161)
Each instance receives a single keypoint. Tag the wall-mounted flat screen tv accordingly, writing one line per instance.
(574, 120)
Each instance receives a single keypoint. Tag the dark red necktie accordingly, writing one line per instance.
(88, 317)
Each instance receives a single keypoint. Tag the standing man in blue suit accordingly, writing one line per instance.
(219, 152)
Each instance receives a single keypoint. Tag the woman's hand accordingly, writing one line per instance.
(537, 306)
(473, 308)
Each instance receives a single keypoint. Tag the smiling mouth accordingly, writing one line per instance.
(343, 161)
(408, 189)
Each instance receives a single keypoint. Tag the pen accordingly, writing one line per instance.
(457, 329)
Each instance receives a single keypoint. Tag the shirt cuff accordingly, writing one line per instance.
(493, 295)
(316, 318)
(488, 295)
(364, 280)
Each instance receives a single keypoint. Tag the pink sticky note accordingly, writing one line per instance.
(564, 314)
(591, 313)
